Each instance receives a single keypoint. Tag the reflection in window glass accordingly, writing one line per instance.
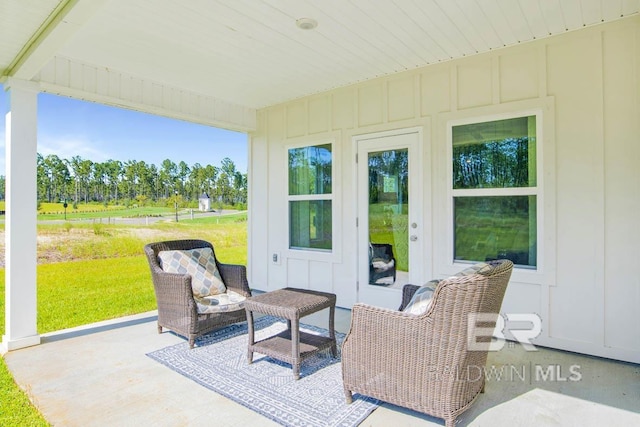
(389, 202)
(310, 224)
(488, 228)
(310, 170)
(495, 191)
(496, 154)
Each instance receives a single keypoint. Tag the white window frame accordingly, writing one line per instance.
(312, 253)
(483, 192)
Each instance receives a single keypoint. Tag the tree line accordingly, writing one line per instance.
(79, 180)
(494, 164)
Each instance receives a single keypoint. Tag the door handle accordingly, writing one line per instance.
(413, 238)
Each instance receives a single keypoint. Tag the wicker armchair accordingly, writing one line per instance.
(422, 362)
(177, 308)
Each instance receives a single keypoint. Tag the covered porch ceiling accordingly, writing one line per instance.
(230, 58)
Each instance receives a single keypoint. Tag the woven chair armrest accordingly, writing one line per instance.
(174, 290)
(367, 319)
(234, 277)
(375, 327)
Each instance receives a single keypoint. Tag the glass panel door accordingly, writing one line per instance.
(388, 225)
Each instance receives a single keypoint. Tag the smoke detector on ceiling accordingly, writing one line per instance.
(306, 23)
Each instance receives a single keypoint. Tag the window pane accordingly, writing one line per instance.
(310, 222)
(496, 154)
(497, 227)
(389, 202)
(310, 170)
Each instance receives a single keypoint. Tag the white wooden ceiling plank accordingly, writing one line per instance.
(476, 16)
(572, 14)
(444, 39)
(365, 23)
(591, 12)
(321, 80)
(325, 44)
(429, 22)
(365, 28)
(227, 83)
(611, 9)
(336, 37)
(456, 15)
(250, 39)
(183, 65)
(374, 24)
(630, 7)
(250, 52)
(19, 21)
(535, 20)
(343, 29)
(280, 33)
(230, 50)
(238, 57)
(553, 15)
(516, 20)
(494, 14)
(420, 33)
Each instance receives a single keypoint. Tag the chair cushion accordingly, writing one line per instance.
(229, 301)
(200, 264)
(421, 300)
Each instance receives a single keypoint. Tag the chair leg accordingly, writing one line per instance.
(349, 396)
(159, 329)
(450, 422)
(192, 342)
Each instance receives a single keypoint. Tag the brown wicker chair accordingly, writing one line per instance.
(177, 309)
(422, 362)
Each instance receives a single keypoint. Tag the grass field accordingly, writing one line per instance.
(51, 211)
(72, 259)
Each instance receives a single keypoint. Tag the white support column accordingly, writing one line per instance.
(21, 216)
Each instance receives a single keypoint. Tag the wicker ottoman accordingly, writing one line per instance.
(291, 346)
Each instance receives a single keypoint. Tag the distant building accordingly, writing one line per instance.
(204, 203)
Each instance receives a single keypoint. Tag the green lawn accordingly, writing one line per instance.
(72, 261)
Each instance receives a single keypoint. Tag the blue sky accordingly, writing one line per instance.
(69, 127)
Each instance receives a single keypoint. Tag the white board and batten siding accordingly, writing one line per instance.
(586, 83)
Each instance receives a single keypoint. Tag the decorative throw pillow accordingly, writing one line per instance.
(421, 300)
(200, 264)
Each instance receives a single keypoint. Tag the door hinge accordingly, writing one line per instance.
(356, 221)
(356, 157)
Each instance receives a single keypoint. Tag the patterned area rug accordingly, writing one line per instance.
(219, 362)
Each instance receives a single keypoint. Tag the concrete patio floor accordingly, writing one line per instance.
(99, 375)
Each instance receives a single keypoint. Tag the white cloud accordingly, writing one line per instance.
(65, 147)
(68, 146)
